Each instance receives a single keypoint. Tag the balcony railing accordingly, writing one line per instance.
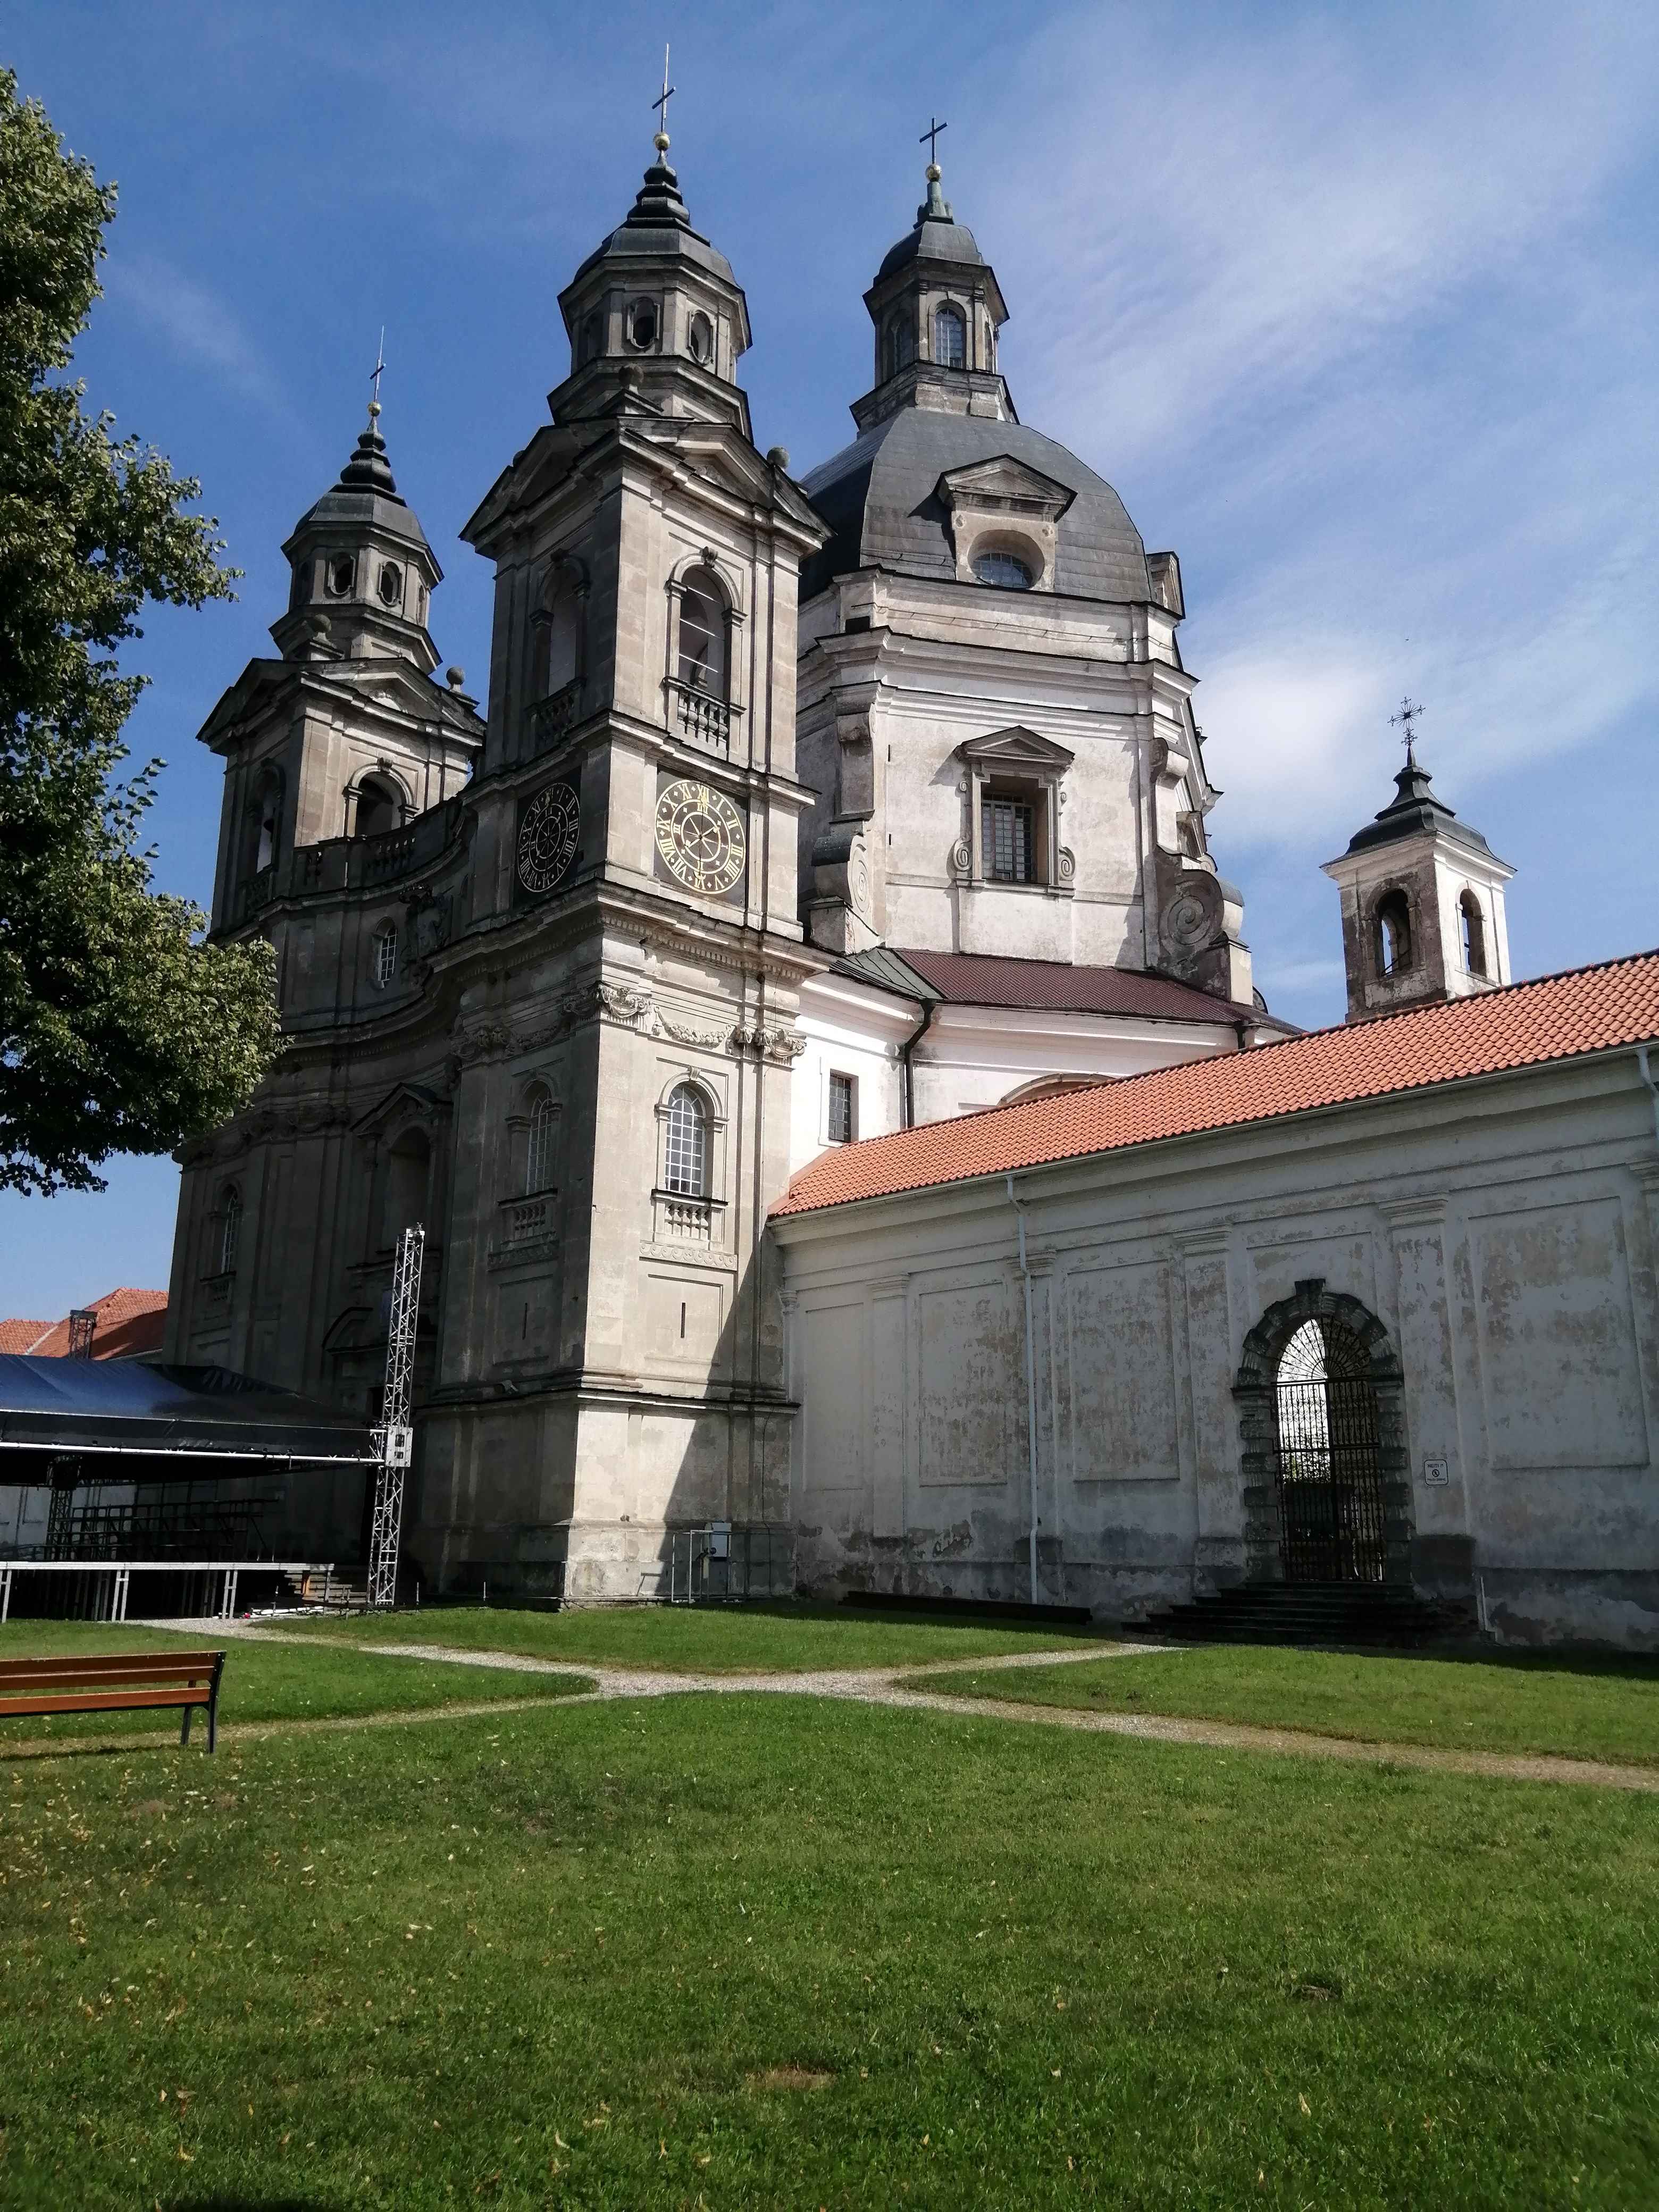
(523, 1219)
(699, 717)
(687, 1220)
(552, 718)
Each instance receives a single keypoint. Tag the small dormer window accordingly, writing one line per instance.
(700, 339)
(392, 584)
(949, 338)
(1006, 571)
(342, 573)
(643, 324)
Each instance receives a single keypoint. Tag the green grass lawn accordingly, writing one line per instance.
(698, 1639)
(1588, 1708)
(753, 1952)
(262, 1682)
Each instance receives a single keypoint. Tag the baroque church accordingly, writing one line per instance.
(802, 818)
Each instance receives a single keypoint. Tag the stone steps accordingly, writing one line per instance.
(1372, 1616)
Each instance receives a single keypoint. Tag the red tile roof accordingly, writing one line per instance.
(980, 979)
(129, 1323)
(1524, 1025)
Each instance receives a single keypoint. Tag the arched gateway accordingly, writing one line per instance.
(1327, 1491)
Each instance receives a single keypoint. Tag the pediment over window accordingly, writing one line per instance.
(404, 1102)
(1005, 484)
(1016, 751)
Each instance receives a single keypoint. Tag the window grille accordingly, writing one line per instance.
(385, 956)
(1005, 570)
(539, 1160)
(843, 1090)
(1007, 834)
(702, 635)
(230, 1233)
(950, 339)
(685, 1157)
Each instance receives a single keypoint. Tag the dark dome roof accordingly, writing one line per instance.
(880, 498)
(935, 238)
(658, 227)
(365, 495)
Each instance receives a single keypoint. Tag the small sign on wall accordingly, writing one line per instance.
(1436, 1473)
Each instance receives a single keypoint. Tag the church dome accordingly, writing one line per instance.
(882, 500)
(938, 236)
(365, 497)
(658, 227)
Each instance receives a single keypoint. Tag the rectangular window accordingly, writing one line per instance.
(1007, 834)
(843, 1098)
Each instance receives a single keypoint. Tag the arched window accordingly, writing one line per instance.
(899, 342)
(264, 821)
(408, 1169)
(1473, 924)
(949, 338)
(385, 956)
(1394, 934)
(539, 1155)
(1006, 570)
(230, 1231)
(558, 634)
(378, 807)
(685, 1151)
(1329, 1470)
(702, 635)
(592, 342)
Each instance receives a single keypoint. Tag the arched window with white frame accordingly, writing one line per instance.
(1471, 927)
(685, 1144)
(538, 1146)
(949, 338)
(702, 655)
(230, 1230)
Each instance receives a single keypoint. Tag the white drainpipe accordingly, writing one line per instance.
(1030, 1386)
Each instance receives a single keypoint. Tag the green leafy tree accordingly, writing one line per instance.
(120, 1029)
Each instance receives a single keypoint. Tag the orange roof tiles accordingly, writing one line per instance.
(130, 1322)
(1525, 1024)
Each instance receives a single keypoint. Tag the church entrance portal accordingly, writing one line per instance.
(1321, 1405)
(1328, 1464)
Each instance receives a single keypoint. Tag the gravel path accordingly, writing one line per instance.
(882, 1686)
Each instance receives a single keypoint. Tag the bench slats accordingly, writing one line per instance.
(87, 1678)
(104, 1701)
(112, 1662)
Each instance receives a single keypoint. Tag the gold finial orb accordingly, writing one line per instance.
(660, 141)
(373, 408)
(933, 173)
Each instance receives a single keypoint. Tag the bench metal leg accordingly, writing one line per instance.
(213, 1719)
(5, 1593)
(184, 1733)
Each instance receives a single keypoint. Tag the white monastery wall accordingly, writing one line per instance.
(1504, 1233)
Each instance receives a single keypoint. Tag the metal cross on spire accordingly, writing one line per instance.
(930, 139)
(660, 103)
(376, 375)
(1409, 711)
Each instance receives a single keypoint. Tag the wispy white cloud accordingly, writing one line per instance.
(198, 327)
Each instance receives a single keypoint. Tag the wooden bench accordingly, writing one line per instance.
(111, 1685)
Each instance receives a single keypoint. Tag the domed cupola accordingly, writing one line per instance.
(937, 307)
(363, 573)
(656, 318)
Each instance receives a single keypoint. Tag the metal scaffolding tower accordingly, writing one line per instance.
(395, 1436)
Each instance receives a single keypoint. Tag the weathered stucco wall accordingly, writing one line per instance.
(1502, 1232)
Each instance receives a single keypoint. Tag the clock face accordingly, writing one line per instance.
(699, 835)
(547, 830)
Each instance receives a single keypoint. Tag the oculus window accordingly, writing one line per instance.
(700, 339)
(643, 324)
(392, 584)
(342, 572)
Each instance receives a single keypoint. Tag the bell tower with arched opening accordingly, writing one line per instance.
(1422, 903)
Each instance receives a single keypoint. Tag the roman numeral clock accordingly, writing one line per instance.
(701, 840)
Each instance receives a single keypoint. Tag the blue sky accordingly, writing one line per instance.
(1355, 307)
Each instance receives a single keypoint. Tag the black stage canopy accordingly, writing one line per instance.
(122, 1406)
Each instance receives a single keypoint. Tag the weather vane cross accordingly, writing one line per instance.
(930, 139)
(1405, 720)
(660, 103)
(376, 375)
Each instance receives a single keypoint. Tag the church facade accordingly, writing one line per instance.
(798, 813)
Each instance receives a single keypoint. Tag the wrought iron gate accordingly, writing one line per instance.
(1330, 1480)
